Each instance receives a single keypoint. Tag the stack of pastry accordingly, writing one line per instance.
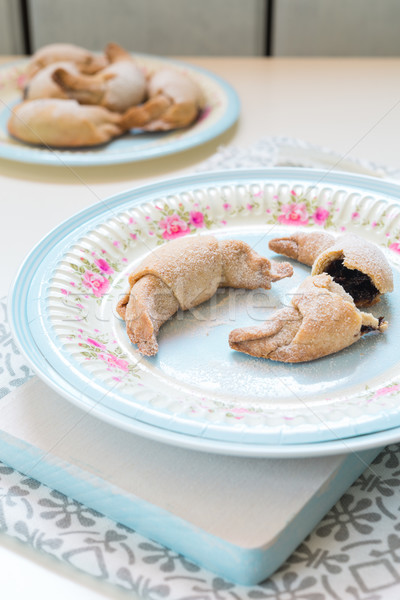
(74, 98)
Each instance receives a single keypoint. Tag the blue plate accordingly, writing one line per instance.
(62, 309)
(221, 111)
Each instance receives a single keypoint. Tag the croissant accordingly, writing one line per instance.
(353, 262)
(63, 123)
(42, 85)
(175, 101)
(322, 320)
(118, 86)
(303, 247)
(184, 273)
(86, 61)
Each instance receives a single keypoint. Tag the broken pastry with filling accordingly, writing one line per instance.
(321, 320)
(358, 265)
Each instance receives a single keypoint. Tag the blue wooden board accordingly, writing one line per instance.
(238, 517)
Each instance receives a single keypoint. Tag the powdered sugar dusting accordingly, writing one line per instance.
(195, 374)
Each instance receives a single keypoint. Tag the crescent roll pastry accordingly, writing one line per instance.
(175, 101)
(321, 320)
(63, 123)
(353, 262)
(86, 61)
(120, 85)
(304, 247)
(42, 84)
(182, 274)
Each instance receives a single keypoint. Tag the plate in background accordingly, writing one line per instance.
(221, 112)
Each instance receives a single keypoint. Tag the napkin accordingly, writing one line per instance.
(281, 151)
(353, 553)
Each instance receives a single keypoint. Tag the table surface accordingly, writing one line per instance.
(351, 106)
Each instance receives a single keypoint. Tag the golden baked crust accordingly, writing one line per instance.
(117, 87)
(175, 101)
(190, 267)
(322, 320)
(63, 123)
(42, 85)
(304, 247)
(184, 273)
(86, 61)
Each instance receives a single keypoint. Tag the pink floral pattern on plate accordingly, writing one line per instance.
(98, 272)
(173, 223)
(13, 77)
(99, 347)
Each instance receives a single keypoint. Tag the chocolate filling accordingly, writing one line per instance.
(368, 328)
(355, 283)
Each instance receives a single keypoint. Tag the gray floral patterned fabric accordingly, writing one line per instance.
(353, 553)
